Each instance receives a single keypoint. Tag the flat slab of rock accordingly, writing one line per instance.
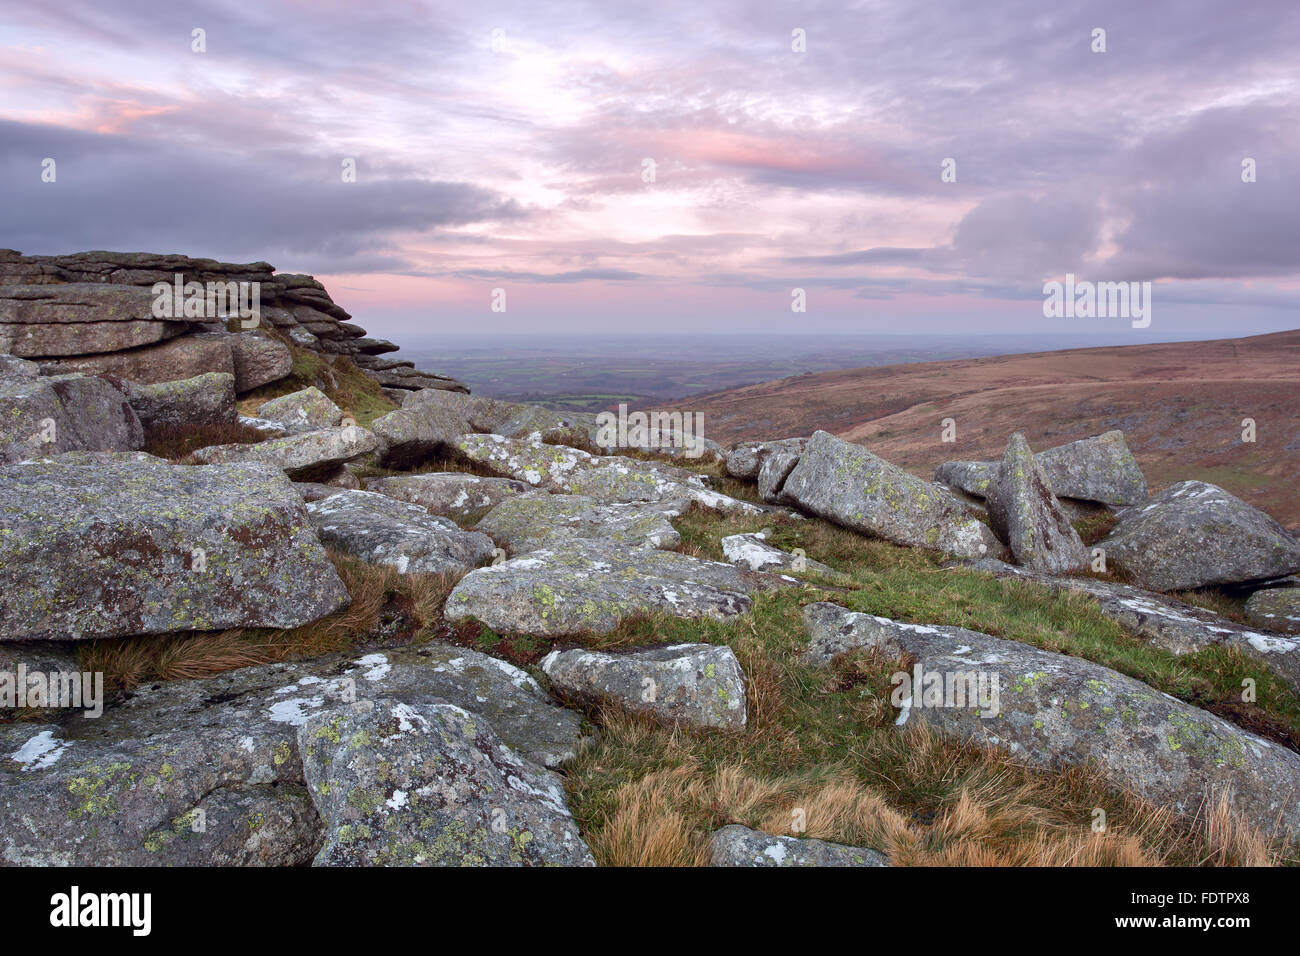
(1194, 534)
(302, 411)
(1026, 515)
(608, 478)
(585, 586)
(740, 846)
(1098, 469)
(754, 552)
(850, 486)
(307, 456)
(1275, 608)
(178, 358)
(686, 685)
(78, 318)
(123, 789)
(207, 399)
(158, 549)
(1050, 710)
(431, 784)
(452, 494)
(539, 520)
(386, 531)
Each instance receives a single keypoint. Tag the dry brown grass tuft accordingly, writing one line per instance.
(176, 442)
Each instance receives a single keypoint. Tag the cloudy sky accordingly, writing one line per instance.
(508, 146)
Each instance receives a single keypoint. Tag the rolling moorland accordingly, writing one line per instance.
(1180, 406)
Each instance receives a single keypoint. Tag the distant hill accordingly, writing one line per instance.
(1180, 405)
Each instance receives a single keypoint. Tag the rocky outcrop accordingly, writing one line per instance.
(850, 486)
(1195, 534)
(740, 846)
(745, 459)
(1276, 608)
(386, 531)
(586, 586)
(157, 549)
(43, 416)
(211, 772)
(1026, 515)
(50, 321)
(1051, 711)
(685, 685)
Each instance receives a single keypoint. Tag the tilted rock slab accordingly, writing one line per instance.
(772, 475)
(740, 846)
(120, 547)
(452, 494)
(540, 520)
(848, 485)
(1026, 515)
(1100, 470)
(1194, 534)
(386, 531)
(1174, 625)
(302, 411)
(45, 416)
(125, 789)
(431, 784)
(1054, 711)
(207, 399)
(687, 685)
(306, 457)
(1276, 608)
(745, 459)
(586, 586)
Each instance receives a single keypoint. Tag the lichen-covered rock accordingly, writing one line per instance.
(540, 520)
(1276, 608)
(302, 411)
(121, 547)
(452, 494)
(1050, 710)
(753, 551)
(745, 459)
(127, 788)
(686, 685)
(850, 486)
(41, 417)
(1098, 469)
(258, 360)
(207, 399)
(78, 318)
(607, 478)
(421, 429)
(1194, 534)
(587, 586)
(308, 456)
(431, 785)
(1026, 515)
(178, 358)
(740, 846)
(386, 531)
(971, 477)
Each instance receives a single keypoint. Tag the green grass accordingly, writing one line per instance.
(346, 385)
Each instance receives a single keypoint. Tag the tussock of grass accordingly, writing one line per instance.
(176, 442)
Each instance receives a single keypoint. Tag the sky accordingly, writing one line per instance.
(677, 167)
